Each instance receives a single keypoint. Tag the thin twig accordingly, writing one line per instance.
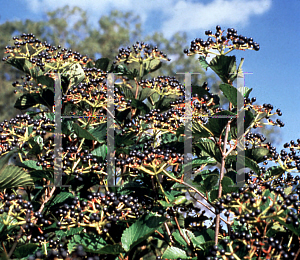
(17, 239)
(298, 252)
(156, 231)
(220, 183)
(180, 231)
(227, 222)
(169, 233)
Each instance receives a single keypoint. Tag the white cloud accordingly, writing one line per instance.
(197, 16)
(178, 15)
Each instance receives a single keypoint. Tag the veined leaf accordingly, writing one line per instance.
(13, 177)
(173, 252)
(224, 67)
(140, 230)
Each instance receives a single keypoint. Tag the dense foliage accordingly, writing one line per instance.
(151, 213)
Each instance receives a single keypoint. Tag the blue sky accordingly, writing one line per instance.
(273, 24)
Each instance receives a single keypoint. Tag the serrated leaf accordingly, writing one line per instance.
(245, 91)
(62, 197)
(100, 151)
(257, 154)
(173, 252)
(30, 164)
(210, 181)
(204, 64)
(209, 147)
(111, 250)
(145, 93)
(168, 138)
(231, 93)
(295, 230)
(213, 195)
(25, 65)
(40, 174)
(199, 162)
(275, 171)
(217, 124)
(25, 250)
(69, 232)
(140, 230)
(198, 129)
(13, 177)
(142, 108)
(99, 132)
(29, 100)
(93, 134)
(249, 117)
(226, 183)
(102, 64)
(74, 73)
(249, 163)
(46, 81)
(224, 67)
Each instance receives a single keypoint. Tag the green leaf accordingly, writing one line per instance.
(211, 181)
(245, 91)
(266, 204)
(199, 91)
(226, 183)
(145, 93)
(100, 151)
(74, 73)
(29, 100)
(24, 65)
(46, 81)
(257, 154)
(231, 93)
(209, 147)
(213, 195)
(224, 67)
(91, 242)
(48, 97)
(93, 134)
(61, 198)
(102, 64)
(216, 124)
(173, 252)
(164, 103)
(69, 232)
(249, 117)
(141, 106)
(111, 250)
(295, 230)
(90, 64)
(140, 230)
(199, 162)
(249, 163)
(275, 171)
(204, 64)
(151, 66)
(179, 200)
(40, 174)
(25, 250)
(99, 132)
(13, 177)
(168, 138)
(198, 129)
(30, 164)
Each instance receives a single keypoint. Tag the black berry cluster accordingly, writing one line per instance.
(221, 41)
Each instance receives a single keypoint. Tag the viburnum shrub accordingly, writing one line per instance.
(151, 213)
